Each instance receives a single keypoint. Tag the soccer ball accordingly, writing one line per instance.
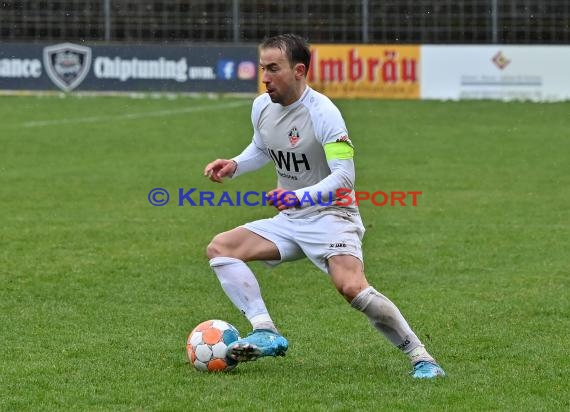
(207, 344)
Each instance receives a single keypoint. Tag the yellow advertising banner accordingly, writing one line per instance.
(367, 71)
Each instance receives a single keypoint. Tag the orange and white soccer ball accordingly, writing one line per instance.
(207, 344)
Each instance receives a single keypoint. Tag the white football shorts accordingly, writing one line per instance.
(318, 237)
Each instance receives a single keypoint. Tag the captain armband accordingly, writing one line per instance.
(339, 151)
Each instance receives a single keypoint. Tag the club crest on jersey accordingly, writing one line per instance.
(67, 64)
(294, 137)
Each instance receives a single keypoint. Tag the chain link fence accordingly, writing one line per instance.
(320, 21)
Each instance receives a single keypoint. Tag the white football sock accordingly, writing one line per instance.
(241, 286)
(388, 320)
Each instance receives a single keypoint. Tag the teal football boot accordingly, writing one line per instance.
(427, 370)
(259, 343)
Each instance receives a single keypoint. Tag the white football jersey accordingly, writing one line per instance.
(293, 136)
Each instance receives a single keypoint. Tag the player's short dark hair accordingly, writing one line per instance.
(295, 48)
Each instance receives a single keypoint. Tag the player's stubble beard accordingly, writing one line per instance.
(282, 99)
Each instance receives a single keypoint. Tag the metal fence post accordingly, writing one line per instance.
(365, 21)
(235, 20)
(107, 11)
(495, 21)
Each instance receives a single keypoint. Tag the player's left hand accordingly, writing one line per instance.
(220, 168)
(282, 199)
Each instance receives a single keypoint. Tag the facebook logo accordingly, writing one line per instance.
(226, 70)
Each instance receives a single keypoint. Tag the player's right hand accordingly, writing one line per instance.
(220, 168)
(282, 199)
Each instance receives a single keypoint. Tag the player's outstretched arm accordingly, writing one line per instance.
(220, 168)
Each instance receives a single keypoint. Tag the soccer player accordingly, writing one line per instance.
(305, 136)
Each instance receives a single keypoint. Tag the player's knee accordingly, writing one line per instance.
(216, 248)
(347, 275)
(349, 290)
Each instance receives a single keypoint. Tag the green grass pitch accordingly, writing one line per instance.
(99, 289)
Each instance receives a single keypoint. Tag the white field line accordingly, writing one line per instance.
(133, 116)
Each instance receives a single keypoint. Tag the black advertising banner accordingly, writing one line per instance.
(128, 68)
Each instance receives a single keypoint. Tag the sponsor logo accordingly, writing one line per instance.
(67, 64)
(201, 73)
(121, 69)
(404, 344)
(500, 60)
(337, 245)
(20, 68)
(289, 160)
